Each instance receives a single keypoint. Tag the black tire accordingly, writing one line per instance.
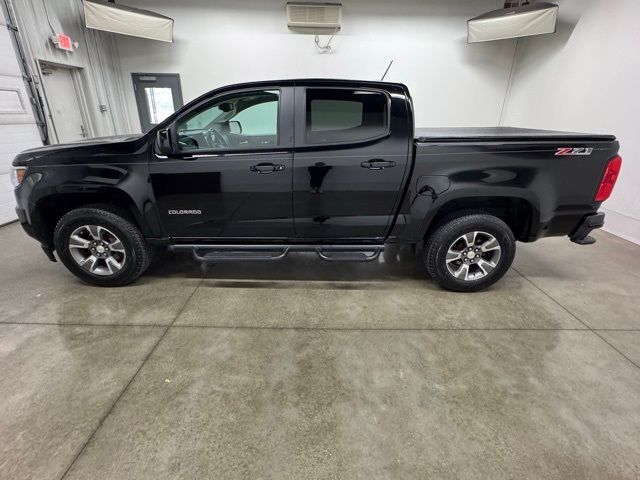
(444, 236)
(116, 220)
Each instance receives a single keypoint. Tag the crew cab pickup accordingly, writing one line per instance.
(252, 172)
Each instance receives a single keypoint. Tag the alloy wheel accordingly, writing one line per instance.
(97, 250)
(473, 256)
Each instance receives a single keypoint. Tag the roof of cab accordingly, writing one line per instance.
(319, 81)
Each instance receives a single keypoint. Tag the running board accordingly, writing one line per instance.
(217, 256)
(349, 256)
(268, 253)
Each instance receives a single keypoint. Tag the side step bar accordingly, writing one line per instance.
(348, 256)
(269, 253)
(231, 256)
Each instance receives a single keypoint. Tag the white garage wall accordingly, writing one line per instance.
(229, 41)
(96, 58)
(586, 77)
(17, 126)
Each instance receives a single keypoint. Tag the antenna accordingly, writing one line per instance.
(385, 72)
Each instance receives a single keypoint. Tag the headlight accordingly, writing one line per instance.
(17, 175)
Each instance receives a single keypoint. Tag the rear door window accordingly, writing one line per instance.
(342, 115)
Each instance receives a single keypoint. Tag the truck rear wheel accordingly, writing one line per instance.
(101, 246)
(469, 253)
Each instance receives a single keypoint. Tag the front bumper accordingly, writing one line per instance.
(24, 221)
(28, 228)
(590, 222)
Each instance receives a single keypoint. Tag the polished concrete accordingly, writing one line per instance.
(305, 369)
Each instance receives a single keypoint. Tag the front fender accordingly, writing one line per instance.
(67, 187)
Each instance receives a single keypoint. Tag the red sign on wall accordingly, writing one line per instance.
(64, 42)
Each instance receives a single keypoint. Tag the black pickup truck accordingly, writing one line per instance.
(255, 171)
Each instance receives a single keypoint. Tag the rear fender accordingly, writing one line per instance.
(431, 205)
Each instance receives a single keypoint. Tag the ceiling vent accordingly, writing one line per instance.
(314, 15)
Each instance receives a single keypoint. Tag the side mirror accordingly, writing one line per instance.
(235, 127)
(163, 142)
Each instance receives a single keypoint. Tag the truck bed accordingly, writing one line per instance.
(497, 134)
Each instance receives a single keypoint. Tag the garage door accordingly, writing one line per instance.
(18, 129)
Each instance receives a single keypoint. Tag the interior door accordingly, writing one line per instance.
(349, 163)
(64, 106)
(231, 174)
(158, 95)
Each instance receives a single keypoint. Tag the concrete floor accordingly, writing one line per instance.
(305, 369)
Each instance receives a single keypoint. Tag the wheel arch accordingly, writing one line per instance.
(50, 209)
(519, 213)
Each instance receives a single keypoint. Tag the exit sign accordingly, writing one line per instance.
(64, 42)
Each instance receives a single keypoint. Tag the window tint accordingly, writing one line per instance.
(260, 119)
(337, 115)
(242, 121)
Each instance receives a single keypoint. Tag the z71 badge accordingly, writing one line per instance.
(574, 151)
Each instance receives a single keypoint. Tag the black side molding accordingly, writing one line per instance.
(590, 222)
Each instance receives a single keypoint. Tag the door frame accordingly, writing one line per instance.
(78, 90)
(141, 105)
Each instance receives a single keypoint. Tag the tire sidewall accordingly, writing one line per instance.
(491, 225)
(78, 219)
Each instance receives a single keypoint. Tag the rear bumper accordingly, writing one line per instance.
(590, 222)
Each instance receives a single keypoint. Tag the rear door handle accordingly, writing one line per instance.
(263, 168)
(377, 164)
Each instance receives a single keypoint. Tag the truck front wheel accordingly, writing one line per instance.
(101, 245)
(469, 253)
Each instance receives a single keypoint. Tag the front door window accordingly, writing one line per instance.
(248, 120)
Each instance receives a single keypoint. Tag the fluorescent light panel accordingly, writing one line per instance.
(136, 22)
(534, 19)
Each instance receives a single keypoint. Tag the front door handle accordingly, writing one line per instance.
(263, 168)
(377, 164)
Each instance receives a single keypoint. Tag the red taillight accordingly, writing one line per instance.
(609, 179)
